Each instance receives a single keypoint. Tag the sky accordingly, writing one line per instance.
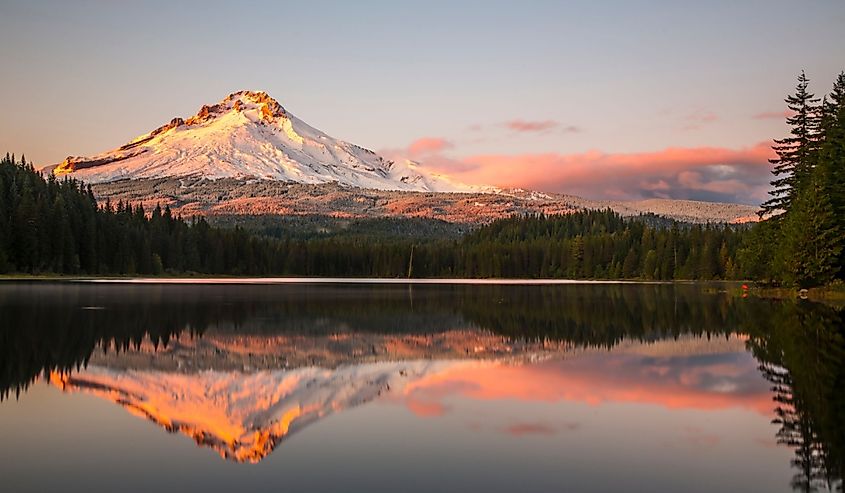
(619, 99)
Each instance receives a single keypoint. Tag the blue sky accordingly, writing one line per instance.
(509, 80)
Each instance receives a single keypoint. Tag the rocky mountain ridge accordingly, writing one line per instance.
(247, 155)
(250, 136)
(232, 197)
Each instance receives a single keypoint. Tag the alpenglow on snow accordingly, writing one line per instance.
(249, 135)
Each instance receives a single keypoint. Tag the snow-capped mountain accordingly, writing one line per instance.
(244, 416)
(248, 155)
(243, 395)
(249, 135)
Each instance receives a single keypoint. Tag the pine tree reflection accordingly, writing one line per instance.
(800, 345)
(801, 349)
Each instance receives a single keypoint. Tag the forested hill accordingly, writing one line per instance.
(603, 245)
(50, 226)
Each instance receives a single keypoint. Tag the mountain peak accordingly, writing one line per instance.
(266, 107)
(249, 135)
(256, 97)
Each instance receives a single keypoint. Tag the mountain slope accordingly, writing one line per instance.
(237, 198)
(244, 416)
(248, 155)
(249, 135)
(243, 395)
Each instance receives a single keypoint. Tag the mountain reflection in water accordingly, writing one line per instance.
(239, 368)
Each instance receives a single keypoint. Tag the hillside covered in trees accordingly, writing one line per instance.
(52, 226)
(56, 227)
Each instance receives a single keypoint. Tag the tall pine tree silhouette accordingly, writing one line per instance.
(793, 164)
(832, 155)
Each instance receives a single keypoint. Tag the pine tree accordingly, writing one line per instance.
(629, 266)
(812, 240)
(793, 164)
(832, 155)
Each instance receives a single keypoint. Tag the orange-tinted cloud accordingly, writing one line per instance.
(700, 173)
(703, 383)
(425, 409)
(523, 429)
(531, 126)
(428, 145)
(428, 402)
(773, 115)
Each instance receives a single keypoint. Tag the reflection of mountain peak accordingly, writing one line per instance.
(244, 416)
(241, 394)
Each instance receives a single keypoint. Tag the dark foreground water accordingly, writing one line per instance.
(385, 388)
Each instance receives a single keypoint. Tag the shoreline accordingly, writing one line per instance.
(326, 280)
(834, 294)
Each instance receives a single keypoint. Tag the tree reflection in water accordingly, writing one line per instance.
(800, 345)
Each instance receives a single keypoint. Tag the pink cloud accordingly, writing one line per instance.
(427, 402)
(694, 180)
(697, 173)
(724, 381)
(426, 409)
(531, 126)
(658, 186)
(428, 145)
(522, 429)
(701, 173)
(773, 115)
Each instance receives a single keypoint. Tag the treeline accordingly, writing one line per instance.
(599, 245)
(314, 226)
(583, 245)
(801, 243)
(56, 226)
(37, 316)
(51, 226)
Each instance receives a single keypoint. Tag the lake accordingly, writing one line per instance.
(336, 386)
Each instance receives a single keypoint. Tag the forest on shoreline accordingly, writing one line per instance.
(56, 227)
(52, 226)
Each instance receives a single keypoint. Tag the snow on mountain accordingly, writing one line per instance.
(244, 416)
(247, 154)
(249, 135)
(243, 394)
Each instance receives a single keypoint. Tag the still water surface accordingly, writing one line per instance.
(367, 387)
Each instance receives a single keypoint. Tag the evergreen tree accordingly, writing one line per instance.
(832, 155)
(793, 162)
(812, 240)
